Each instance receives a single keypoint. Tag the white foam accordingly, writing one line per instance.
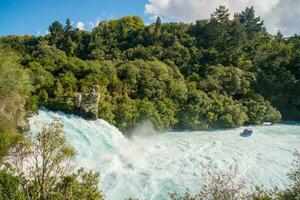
(150, 167)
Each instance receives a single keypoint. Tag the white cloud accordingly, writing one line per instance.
(95, 23)
(277, 14)
(104, 16)
(80, 25)
(39, 33)
(285, 16)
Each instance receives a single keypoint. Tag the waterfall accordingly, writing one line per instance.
(150, 165)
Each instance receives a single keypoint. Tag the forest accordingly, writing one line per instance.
(222, 72)
(219, 72)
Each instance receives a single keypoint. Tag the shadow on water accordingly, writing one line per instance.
(242, 134)
(294, 123)
(246, 133)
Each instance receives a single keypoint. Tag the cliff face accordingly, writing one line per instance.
(86, 104)
(13, 113)
(22, 121)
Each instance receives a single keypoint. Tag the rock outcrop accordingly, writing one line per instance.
(13, 113)
(86, 104)
(22, 121)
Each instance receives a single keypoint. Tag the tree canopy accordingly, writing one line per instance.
(218, 72)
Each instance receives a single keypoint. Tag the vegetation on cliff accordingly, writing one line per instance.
(14, 92)
(218, 72)
(34, 167)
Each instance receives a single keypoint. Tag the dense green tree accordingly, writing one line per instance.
(126, 114)
(252, 23)
(230, 80)
(231, 62)
(42, 168)
(221, 15)
(158, 21)
(10, 187)
(80, 185)
(68, 28)
(68, 45)
(194, 114)
(56, 31)
(221, 72)
(259, 110)
(46, 174)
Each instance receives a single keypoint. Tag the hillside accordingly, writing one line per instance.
(218, 72)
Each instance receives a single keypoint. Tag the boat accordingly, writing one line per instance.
(247, 132)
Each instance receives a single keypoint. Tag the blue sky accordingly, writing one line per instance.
(34, 16)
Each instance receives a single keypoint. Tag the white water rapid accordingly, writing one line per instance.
(151, 165)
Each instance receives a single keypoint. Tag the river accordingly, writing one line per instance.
(150, 165)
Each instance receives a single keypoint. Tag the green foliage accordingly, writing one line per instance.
(217, 72)
(158, 21)
(194, 111)
(13, 78)
(259, 110)
(252, 24)
(49, 161)
(38, 167)
(80, 185)
(229, 80)
(56, 32)
(7, 140)
(14, 92)
(41, 169)
(10, 187)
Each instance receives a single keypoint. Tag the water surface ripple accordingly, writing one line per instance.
(149, 166)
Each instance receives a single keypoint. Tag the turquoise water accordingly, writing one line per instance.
(151, 165)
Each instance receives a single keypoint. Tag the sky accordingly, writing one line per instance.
(22, 17)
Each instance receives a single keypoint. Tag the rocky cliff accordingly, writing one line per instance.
(13, 113)
(86, 104)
